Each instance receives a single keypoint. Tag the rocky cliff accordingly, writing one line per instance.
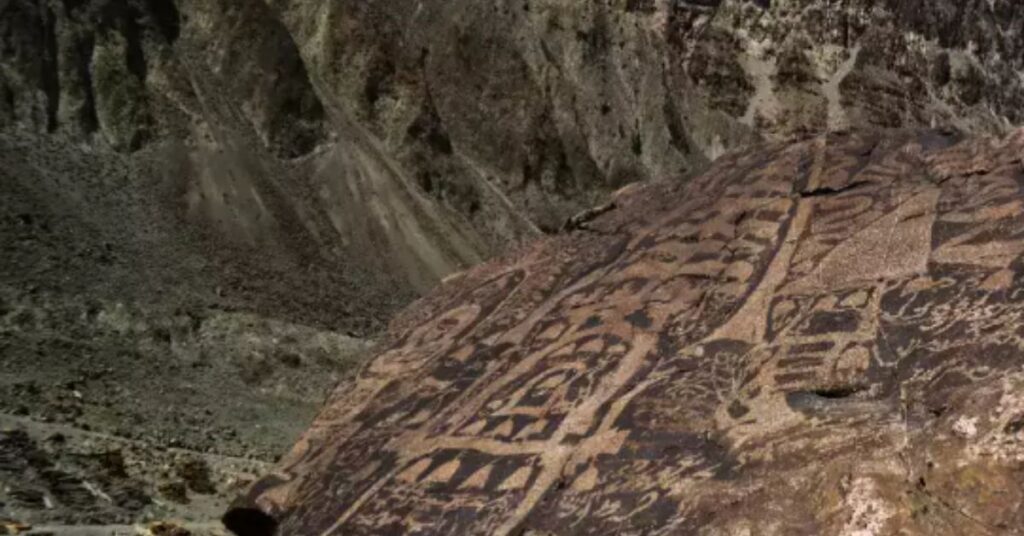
(819, 338)
(435, 133)
(551, 104)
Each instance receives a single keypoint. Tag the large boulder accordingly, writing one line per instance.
(812, 338)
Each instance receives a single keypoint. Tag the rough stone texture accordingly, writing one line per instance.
(209, 109)
(811, 338)
(552, 104)
(488, 122)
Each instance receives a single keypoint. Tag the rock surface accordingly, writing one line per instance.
(480, 123)
(810, 338)
(209, 208)
(553, 104)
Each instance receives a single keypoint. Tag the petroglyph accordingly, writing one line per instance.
(790, 343)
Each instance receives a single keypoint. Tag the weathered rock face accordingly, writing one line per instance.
(488, 122)
(209, 111)
(552, 104)
(819, 338)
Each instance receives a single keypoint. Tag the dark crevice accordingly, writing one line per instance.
(123, 18)
(870, 150)
(820, 399)
(546, 228)
(72, 5)
(917, 216)
(7, 97)
(49, 76)
(135, 56)
(429, 129)
(379, 80)
(828, 191)
(249, 522)
(838, 393)
(165, 15)
(295, 125)
(579, 221)
(1014, 426)
(89, 119)
(678, 138)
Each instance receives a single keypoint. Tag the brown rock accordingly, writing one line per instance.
(817, 338)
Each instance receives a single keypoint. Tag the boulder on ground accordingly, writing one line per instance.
(815, 338)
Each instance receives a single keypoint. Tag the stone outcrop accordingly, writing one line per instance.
(809, 338)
